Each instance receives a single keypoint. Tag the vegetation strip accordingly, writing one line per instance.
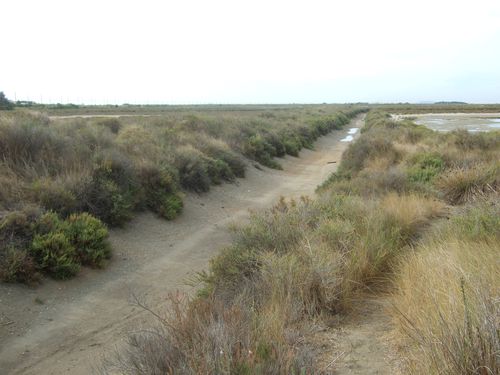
(86, 174)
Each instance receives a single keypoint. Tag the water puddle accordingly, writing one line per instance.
(350, 136)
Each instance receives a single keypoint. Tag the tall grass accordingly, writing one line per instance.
(446, 305)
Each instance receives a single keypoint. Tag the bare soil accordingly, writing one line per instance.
(359, 343)
(66, 327)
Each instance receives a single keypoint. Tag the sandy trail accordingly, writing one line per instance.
(65, 327)
(359, 344)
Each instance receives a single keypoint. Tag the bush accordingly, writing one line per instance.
(160, 191)
(193, 169)
(424, 167)
(89, 237)
(367, 147)
(220, 151)
(55, 255)
(16, 265)
(113, 191)
(219, 170)
(257, 148)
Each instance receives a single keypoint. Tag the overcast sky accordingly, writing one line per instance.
(213, 51)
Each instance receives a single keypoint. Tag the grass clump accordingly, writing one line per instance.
(462, 185)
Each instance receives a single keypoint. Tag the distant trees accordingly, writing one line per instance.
(5, 104)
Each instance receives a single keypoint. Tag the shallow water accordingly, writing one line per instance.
(471, 122)
(350, 136)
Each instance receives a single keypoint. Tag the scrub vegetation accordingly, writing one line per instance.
(409, 211)
(64, 181)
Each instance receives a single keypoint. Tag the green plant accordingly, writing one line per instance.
(424, 167)
(89, 237)
(55, 255)
(193, 170)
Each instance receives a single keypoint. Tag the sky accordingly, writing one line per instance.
(223, 52)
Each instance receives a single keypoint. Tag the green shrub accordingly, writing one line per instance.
(424, 167)
(113, 192)
(218, 150)
(292, 146)
(219, 170)
(257, 148)
(170, 206)
(55, 255)
(89, 237)
(160, 190)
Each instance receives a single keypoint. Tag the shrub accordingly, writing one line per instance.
(170, 206)
(16, 265)
(424, 167)
(257, 148)
(55, 255)
(367, 147)
(292, 146)
(219, 170)
(89, 237)
(219, 150)
(193, 169)
(160, 191)
(113, 191)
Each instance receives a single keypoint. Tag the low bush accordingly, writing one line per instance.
(359, 153)
(257, 148)
(160, 191)
(16, 265)
(113, 191)
(193, 169)
(33, 243)
(89, 237)
(55, 255)
(423, 167)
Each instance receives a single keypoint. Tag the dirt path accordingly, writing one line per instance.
(359, 344)
(65, 327)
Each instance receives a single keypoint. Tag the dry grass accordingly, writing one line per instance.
(447, 307)
(463, 185)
